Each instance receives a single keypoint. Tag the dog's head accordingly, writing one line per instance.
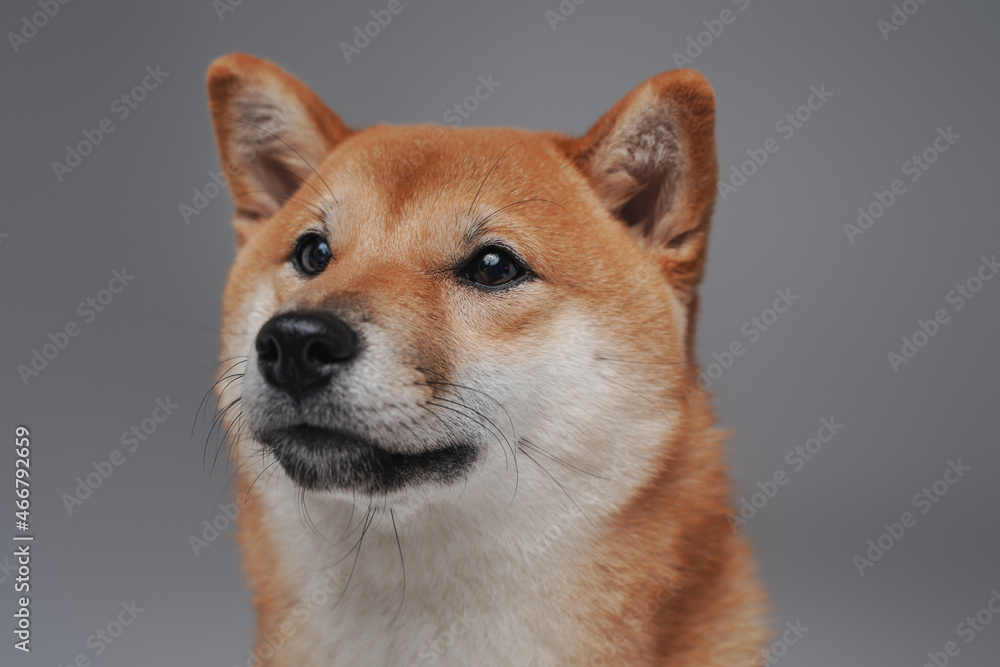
(412, 303)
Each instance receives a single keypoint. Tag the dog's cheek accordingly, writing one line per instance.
(552, 388)
(249, 301)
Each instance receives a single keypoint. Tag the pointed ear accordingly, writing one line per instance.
(651, 160)
(271, 130)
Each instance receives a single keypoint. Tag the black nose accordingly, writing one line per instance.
(298, 353)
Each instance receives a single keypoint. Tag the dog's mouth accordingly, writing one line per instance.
(323, 459)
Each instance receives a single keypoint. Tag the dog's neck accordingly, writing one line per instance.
(474, 562)
(493, 567)
(494, 576)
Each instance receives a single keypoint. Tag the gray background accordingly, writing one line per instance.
(784, 228)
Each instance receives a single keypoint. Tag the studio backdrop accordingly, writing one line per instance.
(848, 320)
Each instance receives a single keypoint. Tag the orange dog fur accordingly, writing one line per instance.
(590, 527)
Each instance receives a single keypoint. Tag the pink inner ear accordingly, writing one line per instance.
(637, 169)
(651, 160)
(272, 132)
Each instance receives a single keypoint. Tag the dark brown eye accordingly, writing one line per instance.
(312, 254)
(493, 267)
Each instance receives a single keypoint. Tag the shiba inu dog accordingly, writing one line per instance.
(460, 386)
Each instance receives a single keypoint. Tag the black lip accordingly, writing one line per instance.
(318, 459)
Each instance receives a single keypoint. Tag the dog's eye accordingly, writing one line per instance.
(311, 254)
(493, 267)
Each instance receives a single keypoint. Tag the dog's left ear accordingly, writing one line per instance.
(272, 132)
(651, 160)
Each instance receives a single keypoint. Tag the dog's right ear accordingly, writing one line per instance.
(651, 161)
(271, 130)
